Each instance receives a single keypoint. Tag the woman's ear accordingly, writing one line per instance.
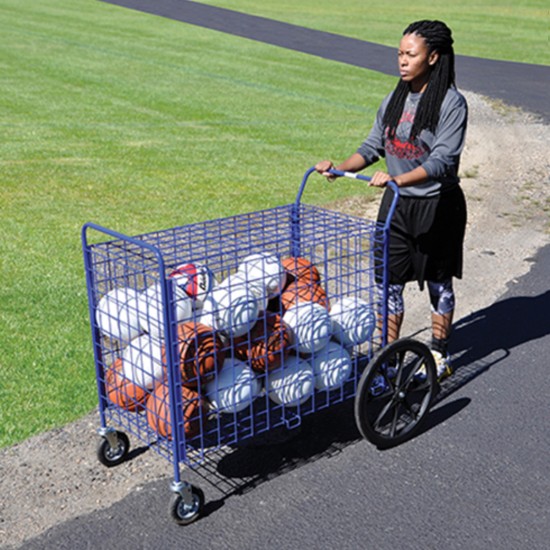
(432, 59)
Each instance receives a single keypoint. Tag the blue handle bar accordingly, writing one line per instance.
(391, 184)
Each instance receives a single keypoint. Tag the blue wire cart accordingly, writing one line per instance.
(209, 334)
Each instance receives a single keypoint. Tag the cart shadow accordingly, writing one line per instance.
(481, 340)
(327, 433)
(239, 469)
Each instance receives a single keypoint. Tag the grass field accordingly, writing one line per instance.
(513, 30)
(141, 123)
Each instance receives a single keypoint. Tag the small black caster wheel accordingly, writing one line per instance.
(186, 505)
(395, 393)
(113, 448)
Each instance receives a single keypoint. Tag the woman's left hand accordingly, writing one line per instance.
(380, 179)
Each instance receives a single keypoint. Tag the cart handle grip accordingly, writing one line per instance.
(391, 184)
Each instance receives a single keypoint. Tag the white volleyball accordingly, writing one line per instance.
(331, 366)
(234, 310)
(292, 385)
(353, 321)
(239, 281)
(234, 388)
(142, 361)
(151, 311)
(117, 314)
(310, 325)
(266, 270)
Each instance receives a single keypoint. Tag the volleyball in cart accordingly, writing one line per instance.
(213, 333)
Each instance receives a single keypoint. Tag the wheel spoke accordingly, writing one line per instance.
(410, 377)
(409, 408)
(384, 411)
(400, 364)
(394, 420)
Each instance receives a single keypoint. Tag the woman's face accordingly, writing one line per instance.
(415, 61)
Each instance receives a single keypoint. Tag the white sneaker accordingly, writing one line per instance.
(442, 365)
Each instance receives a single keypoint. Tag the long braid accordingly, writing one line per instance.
(438, 38)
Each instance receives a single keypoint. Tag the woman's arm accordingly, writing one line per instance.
(414, 177)
(352, 164)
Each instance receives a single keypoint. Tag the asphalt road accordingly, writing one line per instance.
(478, 477)
(519, 84)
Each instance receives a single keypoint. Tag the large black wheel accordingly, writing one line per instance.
(395, 393)
(113, 449)
(185, 513)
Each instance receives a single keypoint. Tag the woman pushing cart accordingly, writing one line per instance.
(420, 129)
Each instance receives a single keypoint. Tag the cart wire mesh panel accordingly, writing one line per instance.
(208, 334)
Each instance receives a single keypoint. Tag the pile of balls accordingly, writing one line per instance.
(269, 326)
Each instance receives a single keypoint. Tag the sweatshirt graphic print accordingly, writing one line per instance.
(438, 153)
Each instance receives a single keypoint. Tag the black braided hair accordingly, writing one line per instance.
(438, 38)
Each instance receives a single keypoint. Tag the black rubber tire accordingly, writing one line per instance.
(399, 410)
(112, 456)
(182, 514)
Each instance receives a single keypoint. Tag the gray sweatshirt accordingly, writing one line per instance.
(438, 154)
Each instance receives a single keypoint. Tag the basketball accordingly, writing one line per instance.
(151, 310)
(267, 344)
(143, 361)
(310, 325)
(291, 385)
(158, 412)
(266, 270)
(300, 268)
(235, 310)
(302, 291)
(117, 314)
(353, 321)
(121, 391)
(331, 366)
(200, 353)
(196, 279)
(235, 387)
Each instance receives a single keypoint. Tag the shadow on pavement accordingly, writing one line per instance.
(488, 336)
(481, 341)
(237, 470)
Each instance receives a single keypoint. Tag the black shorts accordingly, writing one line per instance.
(426, 236)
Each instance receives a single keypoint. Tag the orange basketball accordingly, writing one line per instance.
(268, 352)
(242, 344)
(266, 345)
(300, 268)
(200, 351)
(302, 291)
(121, 391)
(158, 411)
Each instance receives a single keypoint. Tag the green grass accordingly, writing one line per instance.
(141, 123)
(513, 30)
